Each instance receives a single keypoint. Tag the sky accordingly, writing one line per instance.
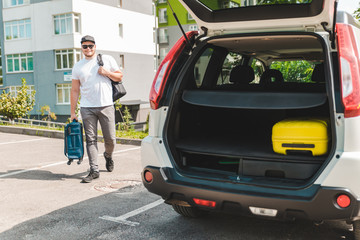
(349, 5)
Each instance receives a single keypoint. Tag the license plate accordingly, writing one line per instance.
(263, 211)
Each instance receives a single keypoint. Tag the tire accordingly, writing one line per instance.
(188, 211)
(356, 231)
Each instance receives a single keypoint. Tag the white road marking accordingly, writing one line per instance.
(123, 218)
(59, 163)
(30, 140)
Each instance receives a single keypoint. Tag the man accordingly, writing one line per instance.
(92, 83)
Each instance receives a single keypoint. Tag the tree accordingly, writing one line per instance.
(50, 115)
(17, 106)
(357, 13)
(294, 71)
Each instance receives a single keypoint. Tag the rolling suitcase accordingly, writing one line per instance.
(74, 145)
(298, 136)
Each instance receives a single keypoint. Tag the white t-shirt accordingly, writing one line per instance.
(95, 89)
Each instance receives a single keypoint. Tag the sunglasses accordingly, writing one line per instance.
(87, 46)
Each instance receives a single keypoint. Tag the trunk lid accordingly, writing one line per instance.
(246, 16)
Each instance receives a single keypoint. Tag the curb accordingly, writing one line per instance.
(58, 134)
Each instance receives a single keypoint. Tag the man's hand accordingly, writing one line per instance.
(114, 76)
(73, 116)
(103, 71)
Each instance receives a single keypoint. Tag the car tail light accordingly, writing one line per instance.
(205, 203)
(148, 176)
(343, 201)
(349, 69)
(164, 70)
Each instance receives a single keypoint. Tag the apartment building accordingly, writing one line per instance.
(40, 42)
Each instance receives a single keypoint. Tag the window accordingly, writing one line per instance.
(259, 69)
(189, 17)
(193, 28)
(14, 90)
(201, 66)
(154, 35)
(122, 61)
(63, 93)
(162, 15)
(155, 64)
(67, 23)
(294, 71)
(121, 28)
(1, 72)
(13, 3)
(65, 59)
(163, 52)
(232, 60)
(230, 4)
(19, 62)
(163, 35)
(18, 29)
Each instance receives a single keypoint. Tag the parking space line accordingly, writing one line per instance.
(123, 218)
(59, 163)
(30, 140)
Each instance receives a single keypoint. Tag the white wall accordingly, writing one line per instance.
(102, 22)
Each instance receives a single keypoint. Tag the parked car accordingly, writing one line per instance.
(218, 95)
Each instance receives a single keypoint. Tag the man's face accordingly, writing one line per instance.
(88, 49)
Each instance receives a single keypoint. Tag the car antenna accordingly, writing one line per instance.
(334, 24)
(181, 28)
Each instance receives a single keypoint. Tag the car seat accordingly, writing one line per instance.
(242, 75)
(266, 77)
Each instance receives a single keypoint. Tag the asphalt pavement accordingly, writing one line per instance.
(43, 198)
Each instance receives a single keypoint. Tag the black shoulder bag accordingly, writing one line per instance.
(118, 88)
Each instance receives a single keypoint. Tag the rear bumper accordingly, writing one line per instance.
(314, 203)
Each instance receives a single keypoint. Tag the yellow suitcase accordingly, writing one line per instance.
(301, 135)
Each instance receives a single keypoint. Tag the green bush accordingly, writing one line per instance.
(14, 107)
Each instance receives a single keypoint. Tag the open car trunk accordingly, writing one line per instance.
(219, 129)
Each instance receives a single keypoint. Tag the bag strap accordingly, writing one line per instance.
(99, 60)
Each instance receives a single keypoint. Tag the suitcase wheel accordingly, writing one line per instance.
(70, 161)
(80, 161)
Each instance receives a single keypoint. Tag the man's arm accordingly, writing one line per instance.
(115, 76)
(74, 97)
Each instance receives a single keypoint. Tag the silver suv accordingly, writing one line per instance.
(217, 96)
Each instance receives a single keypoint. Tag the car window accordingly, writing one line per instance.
(259, 68)
(201, 66)
(231, 61)
(294, 71)
(218, 5)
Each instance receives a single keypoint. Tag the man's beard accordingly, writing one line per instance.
(89, 55)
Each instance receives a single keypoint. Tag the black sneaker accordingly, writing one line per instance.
(92, 175)
(109, 163)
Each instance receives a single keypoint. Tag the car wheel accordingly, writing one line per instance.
(188, 211)
(356, 227)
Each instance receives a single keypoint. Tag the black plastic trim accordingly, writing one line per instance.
(314, 203)
(254, 100)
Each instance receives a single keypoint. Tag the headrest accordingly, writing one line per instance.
(242, 74)
(318, 74)
(267, 76)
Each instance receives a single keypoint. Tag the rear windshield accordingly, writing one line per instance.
(218, 5)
